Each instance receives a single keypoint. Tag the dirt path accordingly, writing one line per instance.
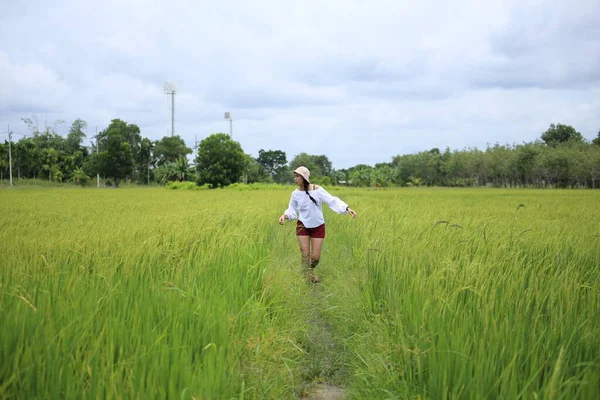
(325, 392)
(325, 370)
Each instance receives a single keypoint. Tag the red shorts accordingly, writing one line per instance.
(317, 232)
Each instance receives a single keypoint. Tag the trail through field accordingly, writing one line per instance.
(326, 392)
(325, 369)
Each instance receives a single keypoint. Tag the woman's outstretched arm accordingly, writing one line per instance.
(335, 203)
(290, 213)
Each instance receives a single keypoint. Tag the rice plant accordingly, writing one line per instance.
(430, 293)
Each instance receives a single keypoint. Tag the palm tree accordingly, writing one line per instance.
(183, 170)
(165, 173)
(80, 177)
(176, 171)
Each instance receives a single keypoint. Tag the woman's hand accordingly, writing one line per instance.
(352, 212)
(282, 219)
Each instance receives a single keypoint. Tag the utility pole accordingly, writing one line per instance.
(170, 89)
(98, 174)
(10, 154)
(18, 157)
(173, 113)
(230, 118)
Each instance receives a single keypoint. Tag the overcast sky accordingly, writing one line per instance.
(358, 81)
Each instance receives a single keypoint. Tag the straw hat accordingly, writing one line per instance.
(303, 172)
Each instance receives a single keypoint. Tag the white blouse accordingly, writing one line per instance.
(311, 215)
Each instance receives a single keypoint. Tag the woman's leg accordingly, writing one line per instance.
(316, 244)
(304, 243)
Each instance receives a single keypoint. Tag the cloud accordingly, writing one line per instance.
(30, 85)
(359, 83)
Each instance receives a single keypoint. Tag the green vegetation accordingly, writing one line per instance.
(220, 161)
(118, 147)
(468, 294)
(430, 293)
(561, 158)
(144, 293)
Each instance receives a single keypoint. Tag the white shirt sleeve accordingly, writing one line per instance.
(336, 205)
(291, 210)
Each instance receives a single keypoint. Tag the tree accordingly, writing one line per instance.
(75, 136)
(34, 126)
(273, 163)
(338, 177)
(169, 149)
(360, 175)
(176, 171)
(116, 157)
(166, 173)
(146, 158)
(80, 177)
(407, 165)
(3, 159)
(183, 171)
(220, 161)
(323, 164)
(559, 134)
(383, 175)
(414, 181)
(49, 157)
(318, 165)
(526, 155)
(597, 140)
(305, 159)
(28, 158)
(50, 145)
(252, 170)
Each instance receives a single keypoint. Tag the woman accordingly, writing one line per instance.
(306, 205)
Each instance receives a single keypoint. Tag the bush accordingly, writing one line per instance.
(25, 182)
(176, 185)
(321, 180)
(57, 176)
(235, 186)
(80, 177)
(255, 186)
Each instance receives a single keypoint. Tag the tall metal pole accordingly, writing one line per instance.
(170, 89)
(19, 162)
(10, 154)
(229, 117)
(172, 113)
(98, 174)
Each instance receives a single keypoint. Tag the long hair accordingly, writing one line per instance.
(306, 191)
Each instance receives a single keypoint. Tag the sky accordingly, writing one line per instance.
(357, 81)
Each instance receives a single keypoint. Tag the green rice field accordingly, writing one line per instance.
(144, 293)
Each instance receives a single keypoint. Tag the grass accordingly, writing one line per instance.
(135, 293)
(496, 302)
(431, 293)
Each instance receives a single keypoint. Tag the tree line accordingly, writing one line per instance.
(561, 157)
